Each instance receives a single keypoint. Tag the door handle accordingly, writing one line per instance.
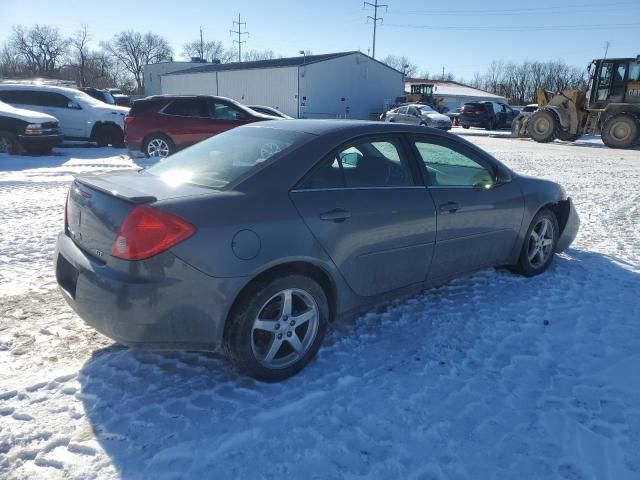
(451, 207)
(337, 215)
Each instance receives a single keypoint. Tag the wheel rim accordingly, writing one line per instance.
(158, 148)
(541, 125)
(5, 145)
(540, 244)
(620, 131)
(285, 328)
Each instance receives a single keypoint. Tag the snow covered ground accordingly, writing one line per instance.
(493, 376)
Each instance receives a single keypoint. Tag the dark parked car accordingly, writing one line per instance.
(120, 97)
(255, 240)
(27, 131)
(100, 94)
(160, 125)
(274, 112)
(489, 115)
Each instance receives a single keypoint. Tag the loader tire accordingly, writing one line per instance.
(568, 137)
(620, 131)
(543, 126)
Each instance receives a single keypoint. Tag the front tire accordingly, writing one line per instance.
(277, 327)
(109, 135)
(9, 143)
(543, 126)
(539, 246)
(620, 131)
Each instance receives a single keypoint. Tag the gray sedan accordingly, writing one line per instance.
(418, 114)
(254, 240)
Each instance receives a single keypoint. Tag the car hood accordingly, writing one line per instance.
(436, 117)
(115, 109)
(26, 115)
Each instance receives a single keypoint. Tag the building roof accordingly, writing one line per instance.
(444, 87)
(276, 62)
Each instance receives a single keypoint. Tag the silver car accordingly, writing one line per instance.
(256, 239)
(418, 114)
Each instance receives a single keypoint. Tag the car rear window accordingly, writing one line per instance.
(224, 158)
(473, 107)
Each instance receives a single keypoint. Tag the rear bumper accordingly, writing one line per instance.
(473, 121)
(570, 229)
(161, 303)
(40, 141)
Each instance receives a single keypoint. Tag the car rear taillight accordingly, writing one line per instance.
(66, 218)
(147, 231)
(128, 119)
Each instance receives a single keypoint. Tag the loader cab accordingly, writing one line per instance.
(614, 80)
(421, 93)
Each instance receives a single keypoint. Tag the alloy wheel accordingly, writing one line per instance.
(285, 328)
(158, 148)
(541, 240)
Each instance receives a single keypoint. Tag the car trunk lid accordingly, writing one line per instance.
(98, 205)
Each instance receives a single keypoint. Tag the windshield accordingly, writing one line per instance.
(84, 97)
(108, 98)
(221, 159)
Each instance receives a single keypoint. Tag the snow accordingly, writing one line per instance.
(492, 376)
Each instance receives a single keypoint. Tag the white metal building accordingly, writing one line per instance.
(153, 71)
(454, 94)
(335, 85)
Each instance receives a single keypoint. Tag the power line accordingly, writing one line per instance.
(517, 11)
(240, 33)
(518, 28)
(375, 19)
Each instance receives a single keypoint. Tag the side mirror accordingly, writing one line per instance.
(502, 177)
(73, 106)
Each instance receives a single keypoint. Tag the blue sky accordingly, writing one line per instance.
(464, 36)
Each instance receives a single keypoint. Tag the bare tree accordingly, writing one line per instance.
(210, 50)
(79, 45)
(134, 50)
(253, 55)
(41, 47)
(402, 64)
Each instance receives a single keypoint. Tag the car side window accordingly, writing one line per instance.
(453, 168)
(55, 100)
(402, 110)
(186, 107)
(222, 111)
(365, 163)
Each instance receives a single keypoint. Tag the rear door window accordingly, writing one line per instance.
(187, 107)
(365, 163)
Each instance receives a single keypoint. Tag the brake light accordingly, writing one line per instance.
(128, 119)
(147, 231)
(66, 218)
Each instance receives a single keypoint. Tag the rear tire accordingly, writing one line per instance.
(109, 135)
(9, 143)
(539, 246)
(543, 126)
(620, 131)
(158, 146)
(568, 137)
(262, 338)
(466, 127)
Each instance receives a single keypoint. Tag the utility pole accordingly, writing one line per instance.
(606, 48)
(442, 72)
(239, 32)
(375, 19)
(201, 46)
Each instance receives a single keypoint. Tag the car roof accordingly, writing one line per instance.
(346, 127)
(31, 86)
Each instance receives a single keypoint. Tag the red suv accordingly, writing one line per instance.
(160, 125)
